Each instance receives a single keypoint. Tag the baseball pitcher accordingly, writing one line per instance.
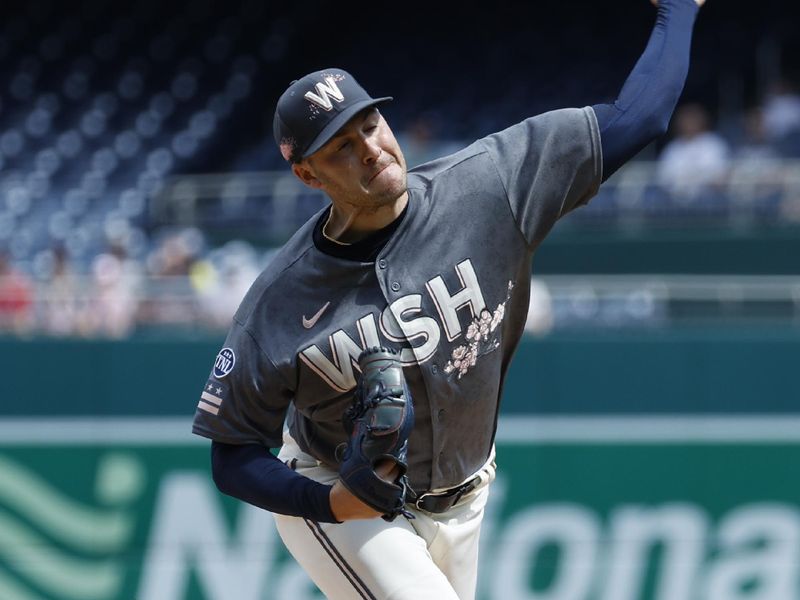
(373, 348)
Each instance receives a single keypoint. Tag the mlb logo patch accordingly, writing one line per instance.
(224, 363)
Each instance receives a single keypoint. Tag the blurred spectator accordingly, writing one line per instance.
(171, 298)
(782, 117)
(755, 179)
(62, 299)
(540, 319)
(16, 298)
(222, 281)
(114, 294)
(696, 158)
(755, 146)
(176, 253)
(421, 142)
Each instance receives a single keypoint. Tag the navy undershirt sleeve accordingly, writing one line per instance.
(251, 473)
(642, 111)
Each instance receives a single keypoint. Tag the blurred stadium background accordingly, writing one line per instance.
(649, 435)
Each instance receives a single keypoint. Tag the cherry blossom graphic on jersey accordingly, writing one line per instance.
(479, 332)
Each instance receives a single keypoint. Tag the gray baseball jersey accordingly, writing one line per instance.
(449, 291)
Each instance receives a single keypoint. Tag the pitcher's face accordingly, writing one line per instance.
(362, 165)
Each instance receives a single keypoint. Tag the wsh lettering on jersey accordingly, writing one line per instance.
(400, 322)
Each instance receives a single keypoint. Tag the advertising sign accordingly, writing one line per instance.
(583, 509)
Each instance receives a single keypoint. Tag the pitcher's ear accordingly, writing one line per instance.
(304, 173)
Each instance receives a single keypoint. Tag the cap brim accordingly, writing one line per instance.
(340, 121)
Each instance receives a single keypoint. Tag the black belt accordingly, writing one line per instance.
(439, 502)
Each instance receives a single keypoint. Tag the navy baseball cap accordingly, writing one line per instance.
(314, 108)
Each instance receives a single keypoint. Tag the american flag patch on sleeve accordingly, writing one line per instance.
(210, 400)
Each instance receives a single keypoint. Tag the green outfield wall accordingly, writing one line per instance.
(739, 369)
(632, 466)
(115, 510)
(745, 250)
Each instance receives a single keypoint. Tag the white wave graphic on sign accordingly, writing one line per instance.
(11, 590)
(45, 535)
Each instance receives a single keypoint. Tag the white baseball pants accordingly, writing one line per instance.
(433, 556)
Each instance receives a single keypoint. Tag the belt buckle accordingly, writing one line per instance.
(439, 502)
(419, 499)
(455, 493)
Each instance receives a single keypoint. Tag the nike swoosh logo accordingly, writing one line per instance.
(309, 323)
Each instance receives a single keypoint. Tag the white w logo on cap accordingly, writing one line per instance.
(325, 91)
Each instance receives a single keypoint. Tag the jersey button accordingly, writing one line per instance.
(382, 263)
(395, 286)
(441, 414)
(434, 369)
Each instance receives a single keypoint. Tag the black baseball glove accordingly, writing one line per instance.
(378, 422)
